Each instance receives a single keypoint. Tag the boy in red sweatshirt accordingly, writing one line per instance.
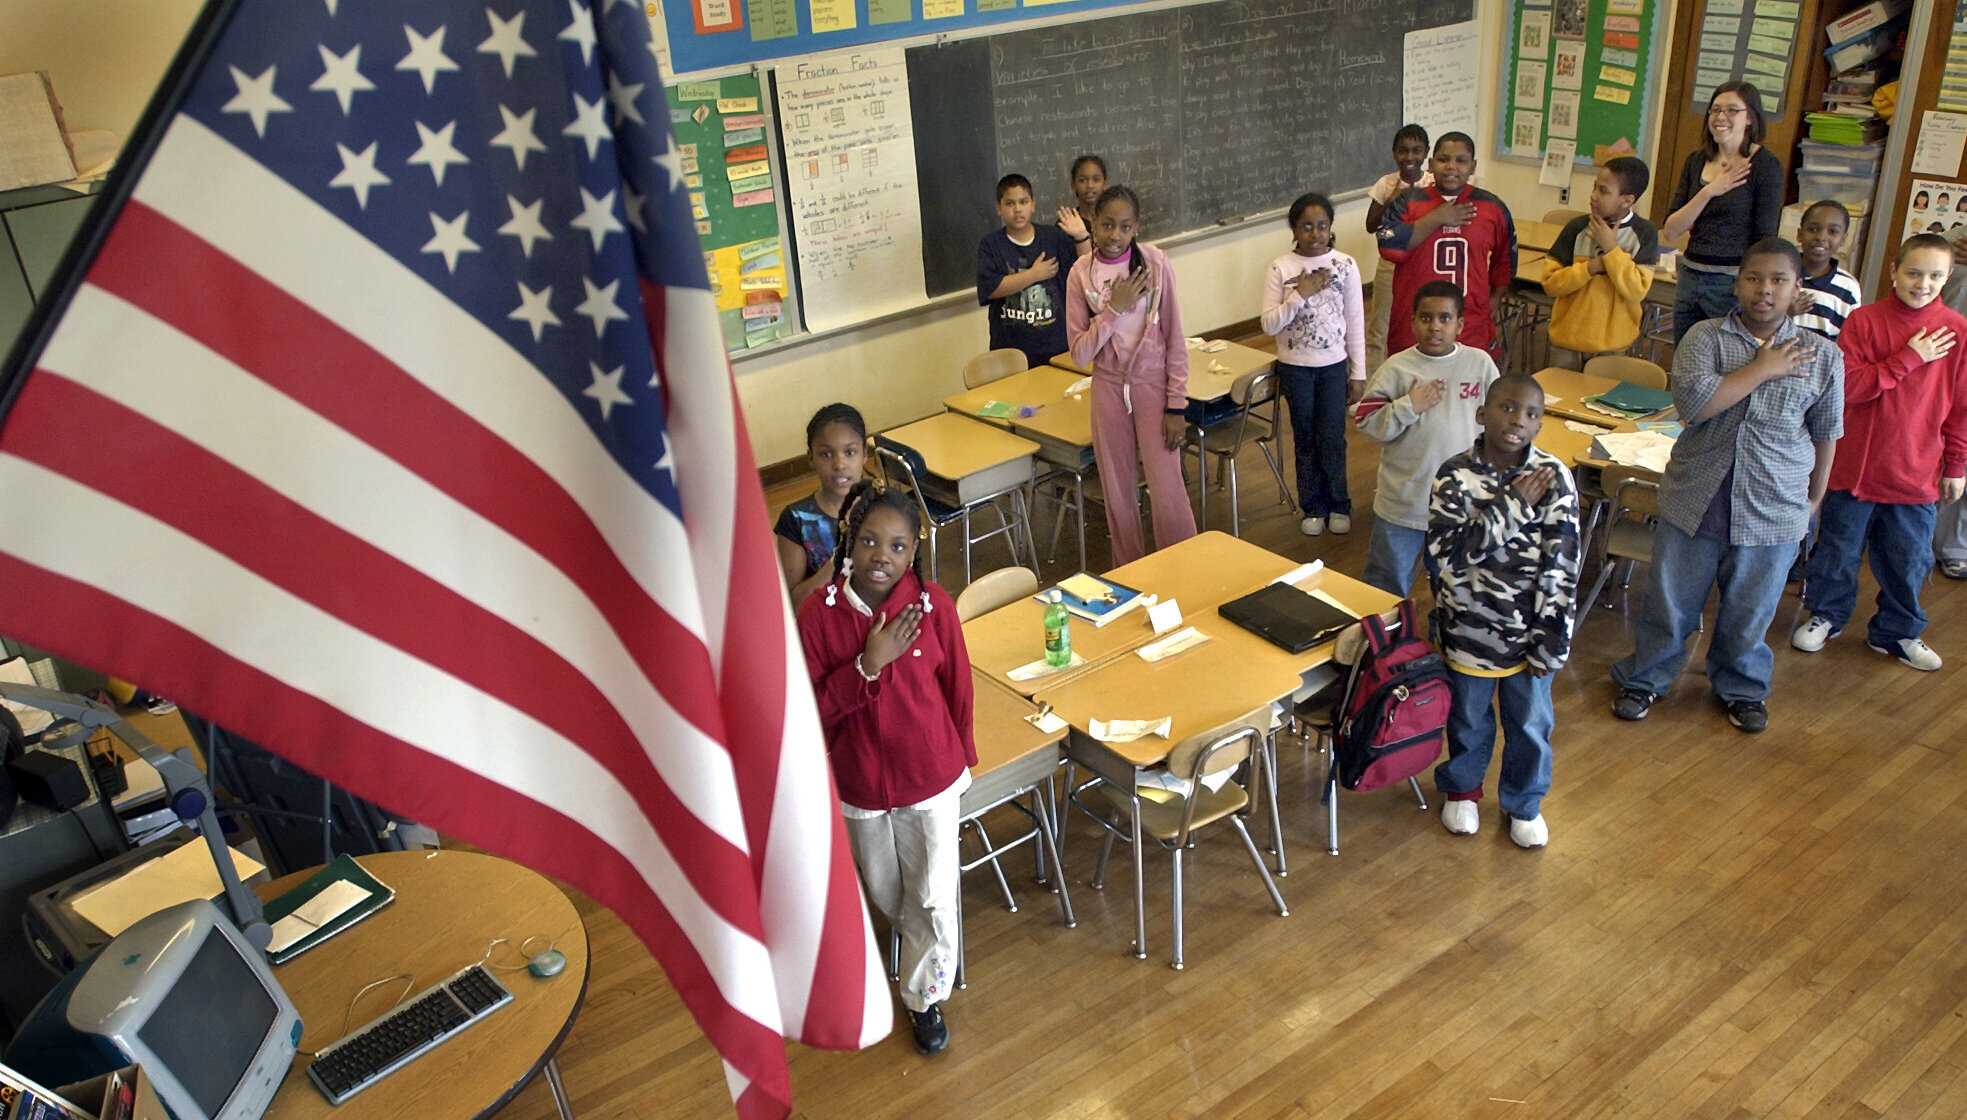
(1904, 449)
(1449, 230)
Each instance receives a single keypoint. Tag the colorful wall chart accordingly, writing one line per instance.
(1579, 74)
(713, 34)
(724, 132)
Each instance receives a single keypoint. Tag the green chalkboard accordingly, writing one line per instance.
(724, 128)
(1579, 70)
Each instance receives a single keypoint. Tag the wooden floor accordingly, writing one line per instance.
(1724, 926)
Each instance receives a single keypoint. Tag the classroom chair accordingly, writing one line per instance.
(1561, 217)
(995, 589)
(903, 466)
(1254, 420)
(1172, 822)
(1315, 709)
(1634, 493)
(993, 365)
(1625, 367)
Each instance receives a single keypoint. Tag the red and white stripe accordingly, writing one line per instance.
(266, 470)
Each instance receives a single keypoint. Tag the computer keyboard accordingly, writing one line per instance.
(366, 1055)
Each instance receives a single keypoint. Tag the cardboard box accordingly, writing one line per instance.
(34, 146)
(1855, 23)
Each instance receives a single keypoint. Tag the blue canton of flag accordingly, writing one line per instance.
(374, 109)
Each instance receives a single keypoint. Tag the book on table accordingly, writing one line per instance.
(1095, 599)
(1634, 400)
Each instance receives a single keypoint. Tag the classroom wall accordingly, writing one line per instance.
(900, 371)
(107, 59)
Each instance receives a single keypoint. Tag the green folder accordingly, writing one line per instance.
(996, 410)
(343, 870)
(1636, 399)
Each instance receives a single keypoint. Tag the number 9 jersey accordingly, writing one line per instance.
(1477, 257)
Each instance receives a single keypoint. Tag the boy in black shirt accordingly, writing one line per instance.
(1021, 272)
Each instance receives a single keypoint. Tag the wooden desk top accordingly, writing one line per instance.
(1014, 635)
(1065, 362)
(1061, 418)
(1209, 686)
(1574, 386)
(448, 906)
(1003, 735)
(954, 446)
(1236, 360)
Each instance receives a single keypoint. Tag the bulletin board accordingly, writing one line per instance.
(1746, 41)
(1580, 74)
(725, 134)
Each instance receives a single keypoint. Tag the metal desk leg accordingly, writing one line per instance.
(1140, 888)
(559, 1090)
(1270, 790)
(1051, 850)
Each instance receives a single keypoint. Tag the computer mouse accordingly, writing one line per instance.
(548, 963)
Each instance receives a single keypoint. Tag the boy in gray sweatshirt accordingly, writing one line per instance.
(1421, 404)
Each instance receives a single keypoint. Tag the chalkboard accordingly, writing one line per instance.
(1210, 112)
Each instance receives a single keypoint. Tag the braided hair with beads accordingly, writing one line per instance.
(867, 495)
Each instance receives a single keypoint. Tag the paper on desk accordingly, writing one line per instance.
(1157, 784)
(1128, 730)
(1038, 668)
(1302, 571)
(1079, 386)
(1582, 428)
(1215, 347)
(1650, 450)
(339, 898)
(1194, 341)
(184, 874)
(1188, 637)
(1217, 367)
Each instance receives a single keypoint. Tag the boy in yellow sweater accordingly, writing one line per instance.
(1601, 267)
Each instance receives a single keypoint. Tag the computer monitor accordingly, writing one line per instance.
(184, 995)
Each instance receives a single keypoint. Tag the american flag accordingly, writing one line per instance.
(391, 427)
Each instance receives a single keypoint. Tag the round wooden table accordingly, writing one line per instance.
(449, 906)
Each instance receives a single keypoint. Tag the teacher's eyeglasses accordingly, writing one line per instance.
(1726, 110)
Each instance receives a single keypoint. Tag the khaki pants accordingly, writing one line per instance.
(909, 863)
(1379, 315)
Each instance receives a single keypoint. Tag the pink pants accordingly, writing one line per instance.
(1120, 441)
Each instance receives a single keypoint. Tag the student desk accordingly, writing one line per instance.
(969, 464)
(1015, 760)
(1203, 385)
(1231, 676)
(1573, 387)
(449, 905)
(1062, 427)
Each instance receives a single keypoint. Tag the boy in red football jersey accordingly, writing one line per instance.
(1449, 231)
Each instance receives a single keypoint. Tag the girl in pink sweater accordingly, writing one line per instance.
(1122, 322)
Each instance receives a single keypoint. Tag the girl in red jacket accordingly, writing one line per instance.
(892, 677)
(1122, 323)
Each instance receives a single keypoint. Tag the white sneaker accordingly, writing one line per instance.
(1341, 523)
(1312, 526)
(1811, 636)
(1910, 651)
(1461, 817)
(1532, 833)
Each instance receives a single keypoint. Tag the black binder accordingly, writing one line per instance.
(1286, 617)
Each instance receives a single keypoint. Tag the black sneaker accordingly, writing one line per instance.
(1748, 715)
(931, 1033)
(1631, 703)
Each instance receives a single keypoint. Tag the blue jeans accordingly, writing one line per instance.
(1898, 538)
(1316, 395)
(1390, 557)
(1527, 722)
(1739, 662)
(1700, 295)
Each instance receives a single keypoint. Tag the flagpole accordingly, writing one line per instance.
(149, 132)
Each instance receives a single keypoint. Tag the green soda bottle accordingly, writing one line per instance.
(1058, 631)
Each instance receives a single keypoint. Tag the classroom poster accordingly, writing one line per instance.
(1568, 69)
(1578, 74)
(1533, 41)
(1438, 83)
(1563, 117)
(1935, 206)
(721, 138)
(1530, 85)
(1568, 19)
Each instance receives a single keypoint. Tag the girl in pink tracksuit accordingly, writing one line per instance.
(1122, 322)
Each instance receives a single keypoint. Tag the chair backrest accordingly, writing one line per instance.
(1632, 489)
(993, 590)
(902, 465)
(1559, 217)
(993, 365)
(1255, 387)
(1219, 748)
(1625, 367)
